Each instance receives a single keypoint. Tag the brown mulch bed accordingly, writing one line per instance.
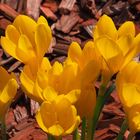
(70, 20)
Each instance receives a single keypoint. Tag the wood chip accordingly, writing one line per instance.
(7, 11)
(51, 4)
(67, 22)
(4, 23)
(48, 13)
(66, 6)
(33, 8)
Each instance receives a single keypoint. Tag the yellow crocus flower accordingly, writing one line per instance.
(128, 88)
(61, 78)
(8, 88)
(58, 117)
(88, 62)
(128, 85)
(26, 40)
(116, 47)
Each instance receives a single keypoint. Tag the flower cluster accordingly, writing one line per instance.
(66, 92)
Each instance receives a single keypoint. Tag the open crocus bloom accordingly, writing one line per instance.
(58, 117)
(117, 47)
(8, 88)
(62, 79)
(26, 40)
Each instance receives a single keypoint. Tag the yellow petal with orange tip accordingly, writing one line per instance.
(105, 27)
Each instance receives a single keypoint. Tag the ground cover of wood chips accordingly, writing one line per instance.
(70, 20)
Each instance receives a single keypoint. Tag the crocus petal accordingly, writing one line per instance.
(134, 119)
(122, 76)
(56, 130)
(68, 77)
(74, 51)
(24, 49)
(105, 26)
(57, 68)
(27, 81)
(7, 95)
(110, 52)
(126, 28)
(75, 124)
(49, 94)
(89, 53)
(90, 73)
(43, 38)
(46, 115)
(73, 95)
(4, 78)
(12, 34)
(87, 101)
(65, 114)
(41, 20)
(130, 94)
(125, 43)
(9, 47)
(9, 91)
(25, 25)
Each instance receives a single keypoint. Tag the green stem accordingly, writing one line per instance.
(83, 129)
(76, 135)
(89, 129)
(3, 129)
(102, 96)
(124, 127)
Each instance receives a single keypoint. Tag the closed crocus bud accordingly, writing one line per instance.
(27, 40)
(58, 117)
(8, 88)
